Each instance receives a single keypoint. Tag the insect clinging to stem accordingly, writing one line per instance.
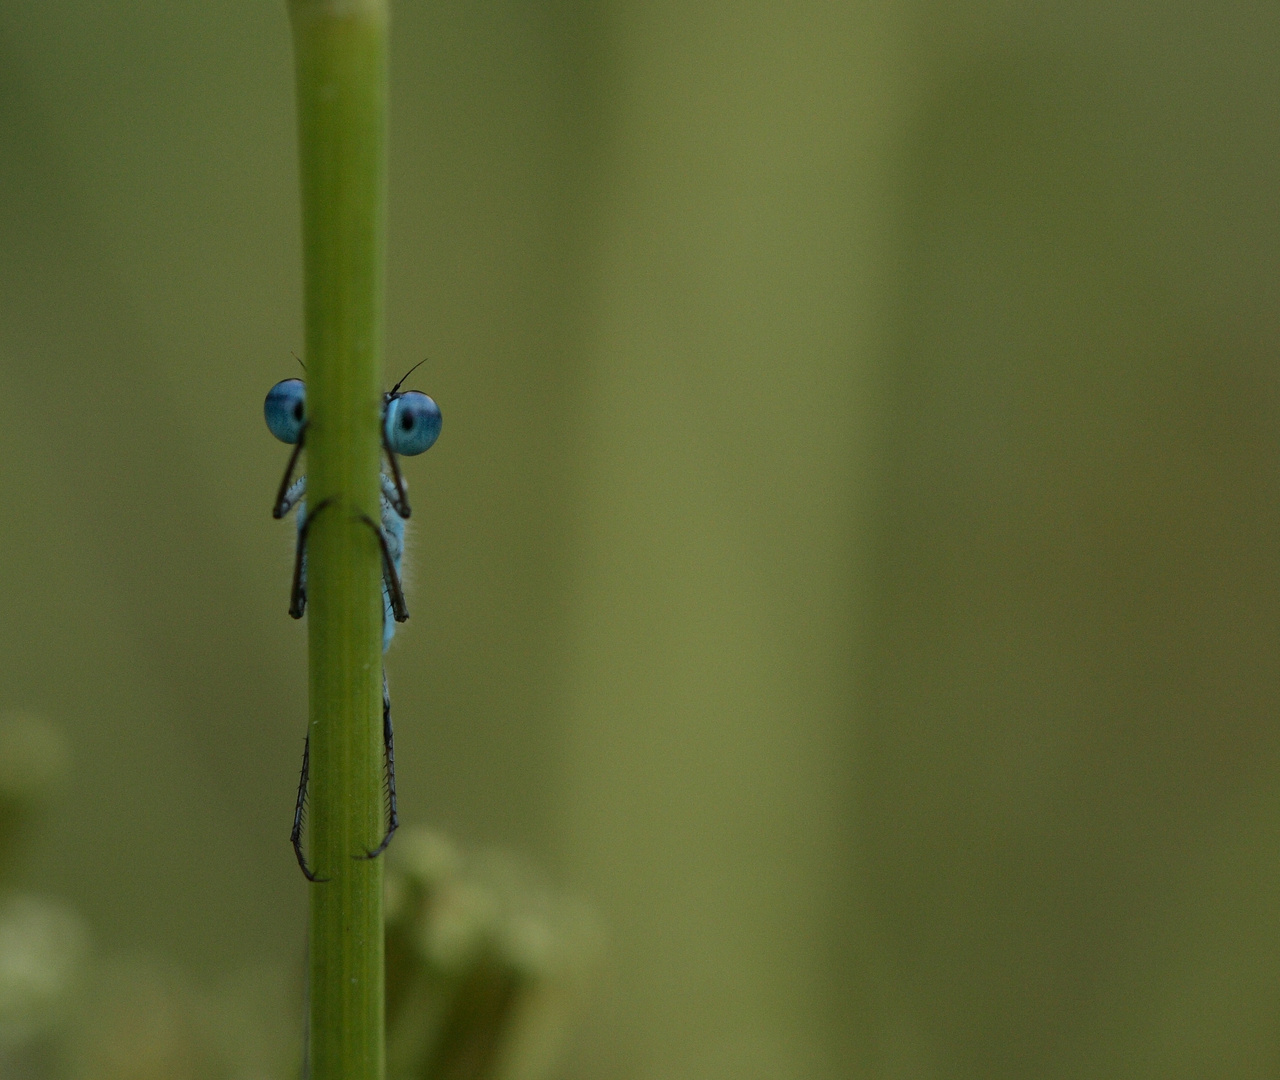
(410, 425)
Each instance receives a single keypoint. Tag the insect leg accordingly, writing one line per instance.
(282, 506)
(389, 575)
(298, 595)
(299, 813)
(401, 499)
(296, 493)
(389, 742)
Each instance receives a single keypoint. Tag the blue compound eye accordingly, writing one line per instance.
(286, 409)
(411, 423)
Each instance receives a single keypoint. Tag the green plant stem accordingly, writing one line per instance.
(340, 48)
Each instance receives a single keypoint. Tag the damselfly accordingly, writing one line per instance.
(410, 425)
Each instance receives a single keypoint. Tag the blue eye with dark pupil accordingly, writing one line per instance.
(285, 409)
(411, 423)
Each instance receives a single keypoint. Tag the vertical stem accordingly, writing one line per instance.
(340, 48)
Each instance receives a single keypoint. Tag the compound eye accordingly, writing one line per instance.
(286, 409)
(411, 423)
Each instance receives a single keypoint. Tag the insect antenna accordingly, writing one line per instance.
(415, 367)
(300, 363)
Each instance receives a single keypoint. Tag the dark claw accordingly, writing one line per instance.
(398, 607)
(298, 595)
(388, 741)
(299, 812)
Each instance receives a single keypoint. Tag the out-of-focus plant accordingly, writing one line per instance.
(484, 964)
(34, 764)
(145, 1019)
(43, 953)
(43, 943)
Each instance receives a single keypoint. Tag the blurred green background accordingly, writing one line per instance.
(850, 561)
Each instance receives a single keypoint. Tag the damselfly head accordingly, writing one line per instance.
(286, 409)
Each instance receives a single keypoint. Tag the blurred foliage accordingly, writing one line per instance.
(483, 964)
(44, 944)
(35, 759)
(483, 968)
(43, 955)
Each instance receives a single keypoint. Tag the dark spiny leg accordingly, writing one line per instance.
(389, 742)
(298, 597)
(299, 812)
(389, 575)
(401, 501)
(280, 509)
